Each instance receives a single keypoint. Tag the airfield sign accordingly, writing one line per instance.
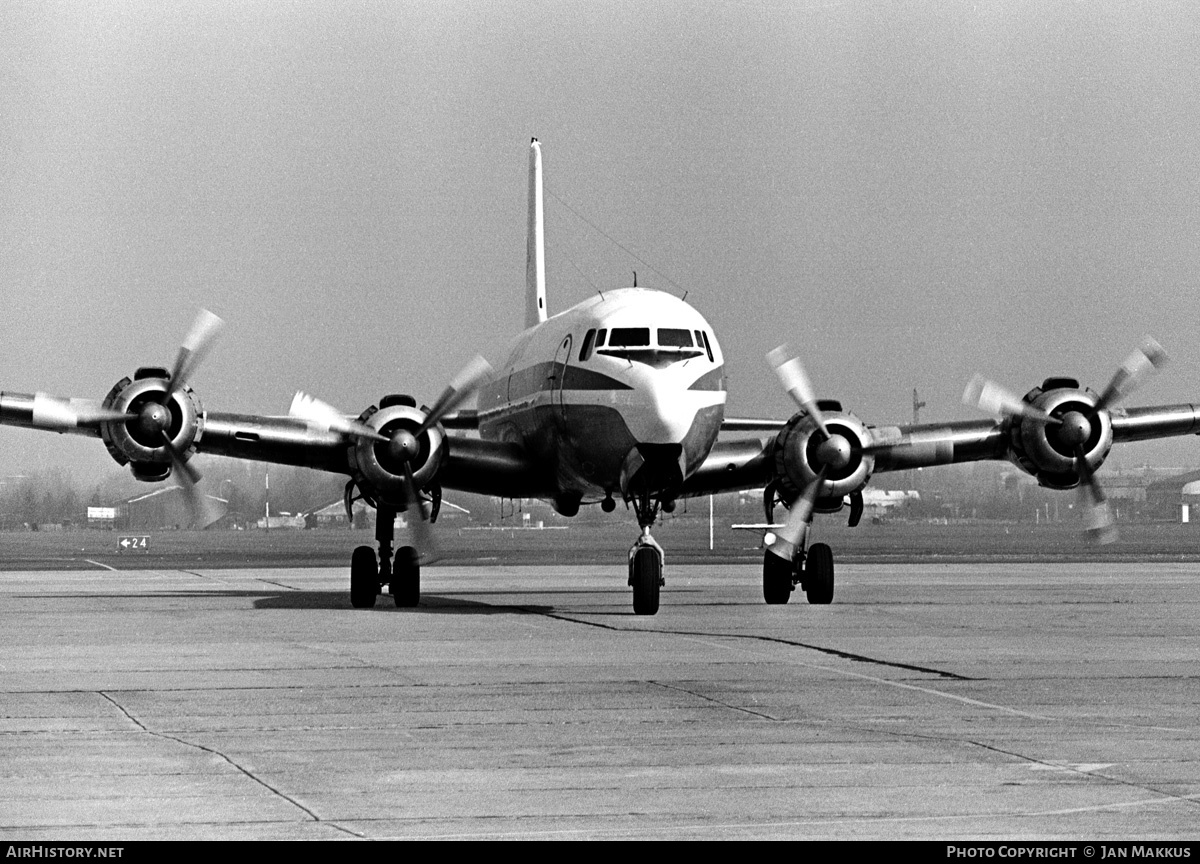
(131, 543)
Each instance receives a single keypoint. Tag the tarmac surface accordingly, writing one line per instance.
(930, 701)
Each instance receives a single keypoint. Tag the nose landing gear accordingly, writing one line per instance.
(646, 559)
(646, 573)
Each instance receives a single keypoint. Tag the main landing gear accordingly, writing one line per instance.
(811, 570)
(402, 575)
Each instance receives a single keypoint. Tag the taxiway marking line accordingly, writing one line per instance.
(930, 691)
(798, 823)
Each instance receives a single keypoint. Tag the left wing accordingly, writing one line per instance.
(155, 423)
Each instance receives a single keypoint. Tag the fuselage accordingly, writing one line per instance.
(623, 393)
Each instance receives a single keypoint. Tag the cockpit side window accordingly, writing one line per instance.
(600, 337)
(707, 347)
(585, 350)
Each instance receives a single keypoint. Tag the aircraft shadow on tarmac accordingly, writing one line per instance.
(430, 603)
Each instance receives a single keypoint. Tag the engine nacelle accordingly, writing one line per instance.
(797, 458)
(1045, 450)
(377, 469)
(139, 440)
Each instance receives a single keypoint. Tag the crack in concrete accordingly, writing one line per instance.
(716, 701)
(833, 652)
(232, 763)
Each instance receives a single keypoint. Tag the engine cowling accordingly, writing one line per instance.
(139, 442)
(1048, 450)
(378, 467)
(797, 454)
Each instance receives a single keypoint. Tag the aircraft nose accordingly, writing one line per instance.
(661, 415)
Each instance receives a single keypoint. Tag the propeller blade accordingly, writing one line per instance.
(461, 386)
(323, 415)
(1098, 519)
(799, 517)
(202, 509)
(194, 349)
(994, 399)
(54, 412)
(1137, 366)
(795, 382)
(418, 522)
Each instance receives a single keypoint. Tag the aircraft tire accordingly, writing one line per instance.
(818, 574)
(406, 577)
(777, 579)
(364, 578)
(647, 577)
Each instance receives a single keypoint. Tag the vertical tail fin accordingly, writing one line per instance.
(535, 243)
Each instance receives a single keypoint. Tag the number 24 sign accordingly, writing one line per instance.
(133, 544)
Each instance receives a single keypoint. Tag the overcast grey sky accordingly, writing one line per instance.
(906, 192)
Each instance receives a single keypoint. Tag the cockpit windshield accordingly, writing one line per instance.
(669, 345)
(629, 336)
(669, 337)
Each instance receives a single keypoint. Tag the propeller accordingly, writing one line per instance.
(994, 399)
(325, 416)
(799, 518)
(54, 412)
(203, 510)
(154, 417)
(1075, 427)
(795, 382)
(461, 386)
(194, 349)
(403, 445)
(832, 454)
(1137, 366)
(1098, 518)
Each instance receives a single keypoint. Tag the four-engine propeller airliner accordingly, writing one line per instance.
(620, 396)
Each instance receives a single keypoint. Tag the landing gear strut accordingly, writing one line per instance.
(645, 573)
(402, 576)
(646, 560)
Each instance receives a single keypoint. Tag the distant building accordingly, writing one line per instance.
(282, 520)
(333, 515)
(102, 517)
(1175, 498)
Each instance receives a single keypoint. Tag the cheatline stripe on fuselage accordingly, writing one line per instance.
(714, 380)
(542, 377)
(545, 376)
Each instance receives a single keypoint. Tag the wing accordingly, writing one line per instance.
(396, 454)
(1060, 432)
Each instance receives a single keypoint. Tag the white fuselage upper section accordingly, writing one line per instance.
(629, 367)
